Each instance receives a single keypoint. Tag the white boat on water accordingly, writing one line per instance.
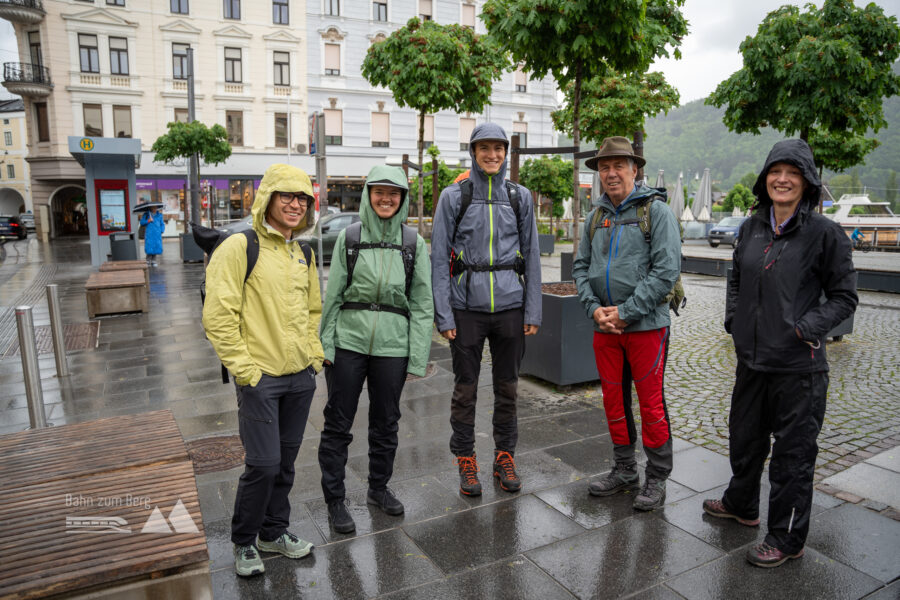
(874, 219)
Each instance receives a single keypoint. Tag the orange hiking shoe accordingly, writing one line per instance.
(505, 471)
(468, 475)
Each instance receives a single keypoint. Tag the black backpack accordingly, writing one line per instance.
(209, 239)
(407, 250)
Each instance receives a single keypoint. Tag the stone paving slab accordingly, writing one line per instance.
(889, 459)
(869, 481)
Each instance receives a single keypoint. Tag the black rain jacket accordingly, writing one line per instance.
(777, 281)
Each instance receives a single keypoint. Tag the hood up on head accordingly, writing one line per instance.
(488, 131)
(389, 176)
(282, 178)
(795, 152)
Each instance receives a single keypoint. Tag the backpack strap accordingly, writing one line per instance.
(410, 240)
(465, 187)
(351, 248)
(512, 190)
(307, 253)
(252, 251)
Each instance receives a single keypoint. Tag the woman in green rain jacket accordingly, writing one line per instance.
(372, 330)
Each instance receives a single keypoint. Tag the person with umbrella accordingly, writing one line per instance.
(153, 223)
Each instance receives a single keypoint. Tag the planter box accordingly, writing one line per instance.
(190, 251)
(546, 243)
(562, 351)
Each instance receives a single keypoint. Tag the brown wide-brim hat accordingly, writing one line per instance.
(615, 147)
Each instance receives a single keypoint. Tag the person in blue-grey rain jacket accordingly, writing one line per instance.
(486, 278)
(154, 224)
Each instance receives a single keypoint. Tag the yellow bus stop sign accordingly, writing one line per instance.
(86, 144)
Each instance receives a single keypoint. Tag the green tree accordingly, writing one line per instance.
(822, 74)
(748, 180)
(575, 41)
(740, 196)
(446, 176)
(183, 140)
(840, 185)
(890, 192)
(431, 67)
(550, 177)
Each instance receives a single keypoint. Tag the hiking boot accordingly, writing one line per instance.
(618, 480)
(717, 508)
(287, 544)
(386, 501)
(340, 517)
(764, 555)
(247, 561)
(653, 494)
(468, 475)
(505, 471)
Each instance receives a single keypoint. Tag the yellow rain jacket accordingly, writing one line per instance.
(270, 323)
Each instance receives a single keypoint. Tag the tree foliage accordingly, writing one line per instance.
(739, 196)
(575, 41)
(446, 176)
(615, 104)
(890, 192)
(182, 140)
(820, 73)
(550, 177)
(431, 67)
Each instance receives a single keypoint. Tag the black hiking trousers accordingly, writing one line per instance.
(505, 334)
(790, 407)
(386, 376)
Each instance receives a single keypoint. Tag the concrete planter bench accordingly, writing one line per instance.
(546, 243)
(128, 265)
(562, 351)
(111, 292)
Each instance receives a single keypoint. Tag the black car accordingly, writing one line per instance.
(332, 225)
(12, 227)
(726, 232)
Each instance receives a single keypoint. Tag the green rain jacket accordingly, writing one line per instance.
(378, 277)
(270, 323)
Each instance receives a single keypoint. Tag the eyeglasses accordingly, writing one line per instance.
(287, 198)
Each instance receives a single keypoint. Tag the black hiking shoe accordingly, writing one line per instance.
(386, 501)
(340, 517)
(468, 475)
(653, 494)
(618, 480)
(505, 471)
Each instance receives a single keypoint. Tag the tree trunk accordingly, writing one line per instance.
(420, 203)
(638, 147)
(576, 139)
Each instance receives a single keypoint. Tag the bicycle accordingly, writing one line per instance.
(862, 245)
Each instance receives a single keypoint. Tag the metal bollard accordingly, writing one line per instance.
(28, 350)
(56, 330)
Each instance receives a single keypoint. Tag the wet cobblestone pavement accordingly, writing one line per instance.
(552, 540)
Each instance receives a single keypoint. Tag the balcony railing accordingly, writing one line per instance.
(25, 72)
(22, 11)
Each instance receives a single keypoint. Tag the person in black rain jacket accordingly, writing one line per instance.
(792, 281)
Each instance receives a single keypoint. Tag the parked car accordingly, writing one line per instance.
(11, 227)
(331, 226)
(27, 220)
(726, 232)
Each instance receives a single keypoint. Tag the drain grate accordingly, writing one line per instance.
(78, 336)
(218, 453)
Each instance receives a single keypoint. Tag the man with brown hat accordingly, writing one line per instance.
(627, 263)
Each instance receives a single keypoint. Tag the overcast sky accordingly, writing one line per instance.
(709, 53)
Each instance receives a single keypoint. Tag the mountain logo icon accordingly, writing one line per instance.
(179, 521)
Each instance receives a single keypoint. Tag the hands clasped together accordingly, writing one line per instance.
(607, 319)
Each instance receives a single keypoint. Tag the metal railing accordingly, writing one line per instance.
(26, 72)
(35, 4)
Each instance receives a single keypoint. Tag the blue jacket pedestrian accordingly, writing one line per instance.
(153, 228)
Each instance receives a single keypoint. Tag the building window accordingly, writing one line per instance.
(7, 137)
(333, 8)
(122, 121)
(181, 115)
(118, 56)
(521, 130)
(428, 138)
(179, 6)
(282, 68)
(425, 9)
(34, 46)
(232, 9)
(381, 130)
(280, 15)
(179, 61)
(521, 80)
(468, 16)
(93, 120)
(233, 65)
(11, 171)
(379, 11)
(43, 121)
(466, 126)
(281, 130)
(115, 2)
(334, 127)
(332, 59)
(88, 54)
(234, 125)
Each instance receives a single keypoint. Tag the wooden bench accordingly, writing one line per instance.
(117, 291)
(76, 501)
(127, 265)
